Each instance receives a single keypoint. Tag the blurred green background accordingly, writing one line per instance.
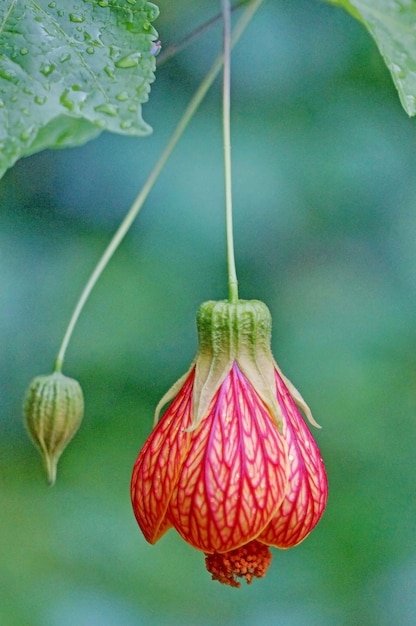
(324, 162)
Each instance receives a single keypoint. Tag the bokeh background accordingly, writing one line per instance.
(324, 164)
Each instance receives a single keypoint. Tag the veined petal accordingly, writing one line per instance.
(306, 498)
(159, 464)
(234, 476)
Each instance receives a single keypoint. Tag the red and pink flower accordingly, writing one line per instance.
(231, 465)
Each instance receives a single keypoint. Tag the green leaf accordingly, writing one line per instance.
(392, 24)
(70, 69)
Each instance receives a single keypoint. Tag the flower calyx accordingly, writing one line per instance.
(230, 332)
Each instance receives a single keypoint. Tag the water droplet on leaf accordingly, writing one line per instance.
(78, 19)
(130, 60)
(6, 74)
(46, 69)
(398, 70)
(66, 102)
(155, 49)
(106, 108)
(109, 71)
(26, 134)
(122, 96)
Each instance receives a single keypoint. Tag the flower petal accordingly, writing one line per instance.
(235, 473)
(306, 499)
(159, 464)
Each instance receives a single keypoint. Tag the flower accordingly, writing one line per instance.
(231, 465)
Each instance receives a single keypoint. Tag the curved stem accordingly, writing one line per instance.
(147, 187)
(232, 273)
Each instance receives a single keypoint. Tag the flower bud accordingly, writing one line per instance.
(53, 410)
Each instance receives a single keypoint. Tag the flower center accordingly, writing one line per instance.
(248, 561)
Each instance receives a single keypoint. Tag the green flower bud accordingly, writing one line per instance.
(53, 410)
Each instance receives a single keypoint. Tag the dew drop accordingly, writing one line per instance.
(153, 13)
(65, 57)
(26, 134)
(103, 3)
(130, 60)
(109, 71)
(106, 108)
(77, 19)
(90, 50)
(398, 70)
(52, 5)
(46, 69)
(131, 1)
(122, 96)
(24, 51)
(40, 99)
(156, 47)
(126, 125)
(114, 51)
(65, 101)
(5, 74)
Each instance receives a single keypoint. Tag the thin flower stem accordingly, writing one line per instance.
(147, 187)
(232, 273)
(177, 47)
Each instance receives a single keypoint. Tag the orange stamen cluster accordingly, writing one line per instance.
(248, 561)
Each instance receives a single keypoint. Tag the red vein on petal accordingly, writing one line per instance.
(159, 464)
(234, 476)
(306, 499)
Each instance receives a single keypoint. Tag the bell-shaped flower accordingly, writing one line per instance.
(231, 465)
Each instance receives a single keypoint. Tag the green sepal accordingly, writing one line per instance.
(231, 333)
(234, 332)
